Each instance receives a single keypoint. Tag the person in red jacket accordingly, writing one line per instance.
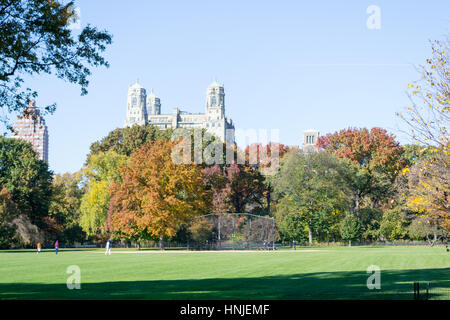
(56, 246)
(39, 247)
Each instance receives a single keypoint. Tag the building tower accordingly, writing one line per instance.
(153, 104)
(310, 139)
(136, 106)
(215, 98)
(215, 110)
(31, 128)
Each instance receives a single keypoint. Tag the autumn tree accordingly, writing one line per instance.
(266, 158)
(376, 157)
(428, 118)
(99, 174)
(35, 38)
(155, 195)
(428, 194)
(263, 156)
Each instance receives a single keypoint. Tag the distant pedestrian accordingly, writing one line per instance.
(108, 248)
(38, 247)
(56, 246)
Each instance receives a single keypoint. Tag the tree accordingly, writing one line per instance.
(267, 160)
(236, 188)
(247, 188)
(423, 228)
(351, 229)
(216, 180)
(261, 156)
(392, 225)
(292, 226)
(26, 178)
(65, 206)
(100, 173)
(16, 229)
(377, 160)
(155, 195)
(125, 141)
(35, 38)
(201, 230)
(428, 116)
(8, 212)
(427, 191)
(308, 184)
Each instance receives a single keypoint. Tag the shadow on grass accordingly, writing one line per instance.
(395, 284)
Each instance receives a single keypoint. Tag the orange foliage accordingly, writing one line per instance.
(156, 195)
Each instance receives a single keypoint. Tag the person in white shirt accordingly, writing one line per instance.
(108, 248)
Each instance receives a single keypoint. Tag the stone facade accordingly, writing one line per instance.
(143, 109)
(31, 127)
(310, 139)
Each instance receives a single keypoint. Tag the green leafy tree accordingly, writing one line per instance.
(307, 184)
(8, 212)
(36, 38)
(65, 206)
(392, 226)
(351, 229)
(292, 226)
(125, 141)
(26, 178)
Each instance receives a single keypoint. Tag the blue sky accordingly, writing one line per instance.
(287, 65)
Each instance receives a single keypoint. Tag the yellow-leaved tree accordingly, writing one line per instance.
(99, 174)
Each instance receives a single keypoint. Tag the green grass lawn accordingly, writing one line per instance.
(323, 273)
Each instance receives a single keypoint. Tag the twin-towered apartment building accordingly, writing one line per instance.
(143, 109)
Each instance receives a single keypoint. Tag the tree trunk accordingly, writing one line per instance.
(349, 243)
(356, 200)
(161, 245)
(310, 235)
